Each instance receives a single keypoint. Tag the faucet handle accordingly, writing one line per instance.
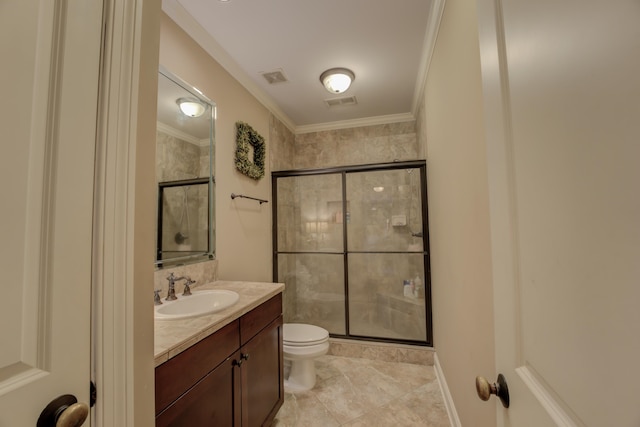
(156, 297)
(187, 284)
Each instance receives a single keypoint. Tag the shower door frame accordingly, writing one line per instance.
(160, 262)
(343, 171)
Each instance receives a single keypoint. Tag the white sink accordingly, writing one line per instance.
(198, 304)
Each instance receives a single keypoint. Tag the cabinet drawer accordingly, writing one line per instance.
(177, 375)
(254, 321)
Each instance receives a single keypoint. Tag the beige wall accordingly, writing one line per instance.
(451, 122)
(243, 227)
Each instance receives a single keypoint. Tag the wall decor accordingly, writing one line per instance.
(246, 139)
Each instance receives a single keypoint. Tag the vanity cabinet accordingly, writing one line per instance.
(234, 377)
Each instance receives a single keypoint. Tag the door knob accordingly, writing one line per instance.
(499, 388)
(63, 411)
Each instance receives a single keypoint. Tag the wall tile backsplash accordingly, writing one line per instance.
(201, 272)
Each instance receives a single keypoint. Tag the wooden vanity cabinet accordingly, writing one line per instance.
(232, 378)
(262, 366)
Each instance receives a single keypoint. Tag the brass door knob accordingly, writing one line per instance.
(64, 411)
(499, 388)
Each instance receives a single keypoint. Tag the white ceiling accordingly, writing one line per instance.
(384, 42)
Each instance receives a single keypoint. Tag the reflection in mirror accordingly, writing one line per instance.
(184, 172)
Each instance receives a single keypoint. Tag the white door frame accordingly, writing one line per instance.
(123, 233)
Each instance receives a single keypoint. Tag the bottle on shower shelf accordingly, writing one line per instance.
(419, 287)
(408, 288)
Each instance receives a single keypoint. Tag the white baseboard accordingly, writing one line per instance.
(446, 394)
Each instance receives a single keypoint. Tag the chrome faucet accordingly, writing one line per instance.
(156, 297)
(187, 286)
(171, 294)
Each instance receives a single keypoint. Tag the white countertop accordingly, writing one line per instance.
(174, 336)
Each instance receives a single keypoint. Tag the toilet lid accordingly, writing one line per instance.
(303, 334)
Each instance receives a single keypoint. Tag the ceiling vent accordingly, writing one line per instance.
(347, 100)
(273, 77)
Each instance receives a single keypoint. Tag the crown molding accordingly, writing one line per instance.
(179, 15)
(346, 124)
(433, 26)
(181, 135)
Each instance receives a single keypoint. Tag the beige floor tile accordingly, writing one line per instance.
(427, 403)
(303, 410)
(394, 414)
(343, 400)
(362, 392)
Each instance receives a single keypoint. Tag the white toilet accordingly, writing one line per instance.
(302, 344)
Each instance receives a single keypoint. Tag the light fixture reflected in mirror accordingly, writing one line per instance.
(378, 189)
(337, 80)
(191, 107)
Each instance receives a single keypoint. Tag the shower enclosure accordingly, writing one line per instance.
(351, 244)
(183, 214)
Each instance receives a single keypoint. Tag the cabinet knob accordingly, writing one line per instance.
(243, 357)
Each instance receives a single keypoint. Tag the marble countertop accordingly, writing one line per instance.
(174, 336)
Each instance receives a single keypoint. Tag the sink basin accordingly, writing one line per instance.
(199, 303)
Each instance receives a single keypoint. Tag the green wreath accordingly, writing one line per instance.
(246, 137)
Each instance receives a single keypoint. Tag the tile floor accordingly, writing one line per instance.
(354, 392)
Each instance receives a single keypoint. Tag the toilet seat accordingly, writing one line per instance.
(303, 335)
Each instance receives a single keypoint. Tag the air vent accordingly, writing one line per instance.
(347, 100)
(276, 76)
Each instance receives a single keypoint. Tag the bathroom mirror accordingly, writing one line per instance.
(185, 142)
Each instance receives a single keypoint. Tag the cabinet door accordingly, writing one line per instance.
(213, 401)
(262, 376)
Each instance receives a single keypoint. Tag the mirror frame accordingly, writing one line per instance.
(210, 253)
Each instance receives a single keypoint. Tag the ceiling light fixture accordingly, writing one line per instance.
(337, 80)
(191, 107)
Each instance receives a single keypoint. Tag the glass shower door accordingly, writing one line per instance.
(349, 246)
(310, 250)
(386, 254)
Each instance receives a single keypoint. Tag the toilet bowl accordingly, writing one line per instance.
(302, 344)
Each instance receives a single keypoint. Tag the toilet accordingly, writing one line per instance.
(302, 344)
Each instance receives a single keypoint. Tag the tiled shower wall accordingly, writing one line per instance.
(356, 146)
(324, 149)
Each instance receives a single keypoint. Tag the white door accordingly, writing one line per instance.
(562, 100)
(49, 53)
